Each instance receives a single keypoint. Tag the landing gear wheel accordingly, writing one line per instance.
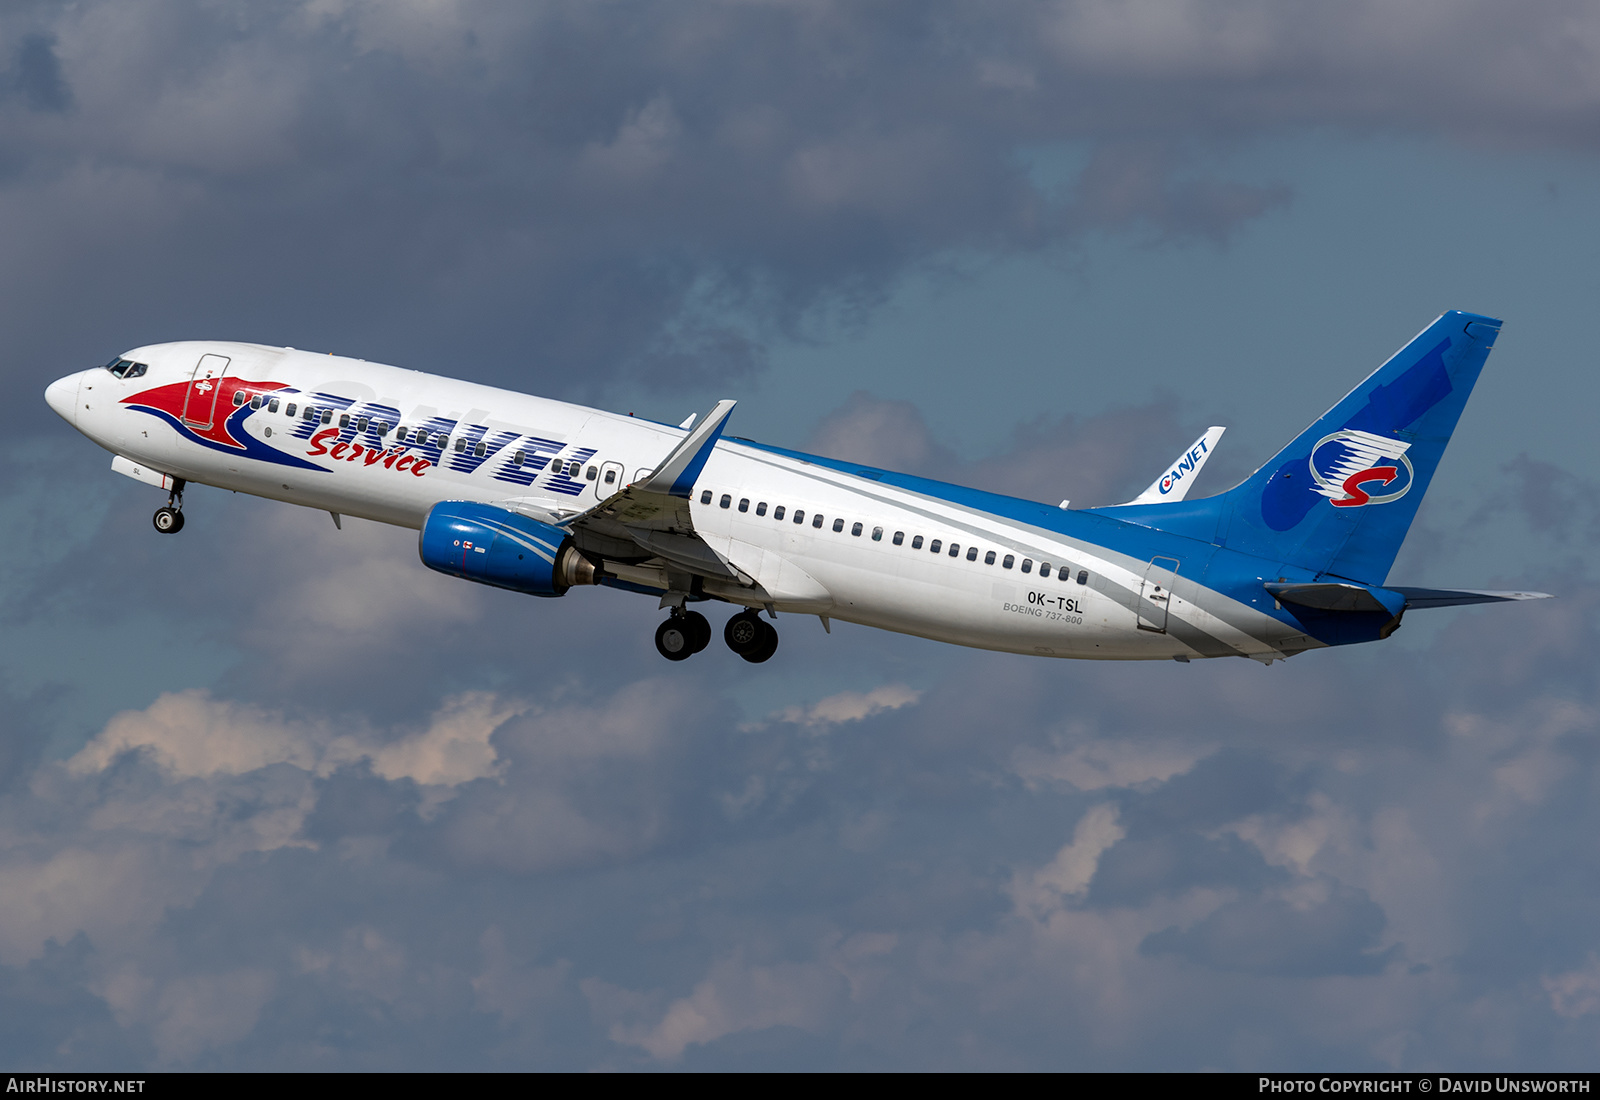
(674, 639)
(698, 628)
(768, 646)
(743, 632)
(169, 521)
(751, 637)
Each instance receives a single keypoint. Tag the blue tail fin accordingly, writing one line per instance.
(1340, 498)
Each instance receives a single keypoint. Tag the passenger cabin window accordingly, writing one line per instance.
(1011, 560)
(899, 538)
(855, 529)
(1027, 565)
(272, 406)
(838, 525)
(988, 559)
(1083, 576)
(479, 450)
(972, 553)
(383, 427)
(744, 504)
(461, 445)
(726, 500)
(255, 402)
(327, 416)
(799, 515)
(240, 397)
(588, 475)
(761, 509)
(955, 549)
(289, 412)
(816, 520)
(916, 543)
(344, 420)
(361, 424)
(777, 513)
(522, 456)
(1044, 568)
(877, 534)
(573, 467)
(705, 497)
(309, 415)
(935, 546)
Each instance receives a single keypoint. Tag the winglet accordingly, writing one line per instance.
(1175, 483)
(676, 476)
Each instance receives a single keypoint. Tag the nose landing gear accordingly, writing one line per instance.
(682, 634)
(751, 637)
(169, 519)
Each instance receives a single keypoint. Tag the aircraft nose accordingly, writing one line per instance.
(62, 396)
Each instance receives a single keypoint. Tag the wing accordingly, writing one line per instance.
(651, 518)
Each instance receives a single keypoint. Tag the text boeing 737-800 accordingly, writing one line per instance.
(540, 496)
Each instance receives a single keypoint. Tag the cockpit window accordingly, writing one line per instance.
(126, 368)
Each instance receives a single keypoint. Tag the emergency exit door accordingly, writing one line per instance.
(1155, 594)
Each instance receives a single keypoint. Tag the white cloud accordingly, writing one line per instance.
(848, 706)
(736, 997)
(1108, 763)
(1067, 876)
(1576, 992)
(191, 735)
(642, 146)
(200, 1012)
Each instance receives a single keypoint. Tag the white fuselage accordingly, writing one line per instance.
(991, 594)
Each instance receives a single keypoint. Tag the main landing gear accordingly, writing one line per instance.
(685, 633)
(682, 635)
(169, 519)
(751, 637)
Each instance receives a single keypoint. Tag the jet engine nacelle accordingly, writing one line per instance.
(491, 545)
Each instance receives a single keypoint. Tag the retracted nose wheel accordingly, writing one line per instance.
(169, 521)
(751, 637)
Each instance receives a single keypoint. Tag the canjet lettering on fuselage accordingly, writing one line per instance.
(540, 496)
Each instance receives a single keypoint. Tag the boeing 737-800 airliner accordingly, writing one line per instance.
(540, 497)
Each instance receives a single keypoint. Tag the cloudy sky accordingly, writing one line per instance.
(272, 795)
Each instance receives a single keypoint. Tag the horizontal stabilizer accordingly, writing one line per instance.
(1175, 482)
(1344, 596)
(677, 474)
(1455, 597)
(1330, 596)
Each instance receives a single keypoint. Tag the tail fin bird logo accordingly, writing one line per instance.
(1351, 467)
